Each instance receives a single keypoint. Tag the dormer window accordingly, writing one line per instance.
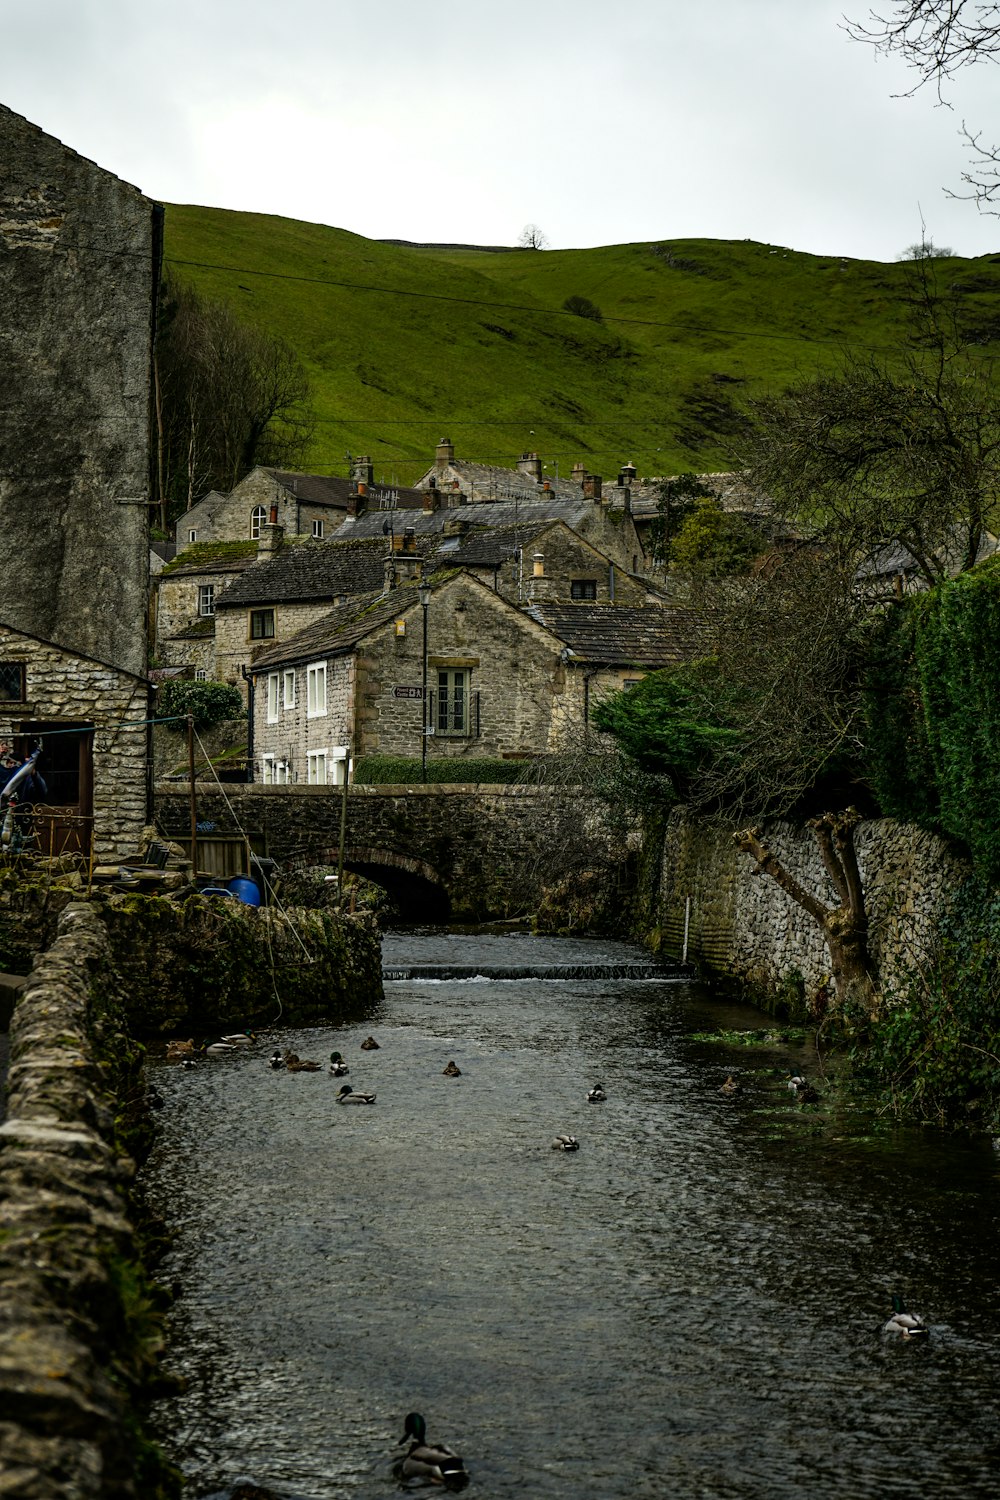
(583, 588)
(258, 520)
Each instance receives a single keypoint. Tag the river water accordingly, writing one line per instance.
(688, 1306)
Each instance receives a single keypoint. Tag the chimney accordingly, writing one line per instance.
(388, 573)
(444, 455)
(540, 587)
(579, 473)
(538, 565)
(431, 496)
(592, 487)
(363, 471)
(271, 538)
(357, 502)
(455, 526)
(626, 475)
(531, 465)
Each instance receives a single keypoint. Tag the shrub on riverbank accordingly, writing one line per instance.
(935, 1055)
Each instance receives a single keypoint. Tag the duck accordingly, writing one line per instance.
(177, 1049)
(452, 1070)
(433, 1462)
(597, 1094)
(906, 1324)
(347, 1095)
(369, 1044)
(276, 1060)
(217, 1048)
(730, 1086)
(565, 1143)
(240, 1039)
(296, 1064)
(802, 1088)
(338, 1067)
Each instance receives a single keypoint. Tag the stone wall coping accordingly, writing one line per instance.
(240, 790)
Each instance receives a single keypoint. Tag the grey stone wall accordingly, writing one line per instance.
(63, 1214)
(743, 925)
(78, 268)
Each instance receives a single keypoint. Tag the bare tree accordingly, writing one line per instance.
(532, 238)
(226, 397)
(938, 38)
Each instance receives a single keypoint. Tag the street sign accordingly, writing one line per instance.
(408, 692)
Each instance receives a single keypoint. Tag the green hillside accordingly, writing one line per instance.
(405, 345)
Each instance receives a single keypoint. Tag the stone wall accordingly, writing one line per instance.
(744, 926)
(65, 1368)
(79, 263)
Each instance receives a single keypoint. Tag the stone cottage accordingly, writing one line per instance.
(90, 719)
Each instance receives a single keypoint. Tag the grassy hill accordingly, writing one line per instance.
(407, 344)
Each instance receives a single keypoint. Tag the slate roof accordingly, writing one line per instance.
(225, 563)
(623, 635)
(329, 489)
(201, 629)
(488, 547)
(310, 570)
(482, 514)
(340, 630)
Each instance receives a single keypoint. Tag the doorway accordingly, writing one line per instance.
(63, 819)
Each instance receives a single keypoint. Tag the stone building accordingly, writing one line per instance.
(90, 719)
(183, 598)
(79, 266)
(303, 505)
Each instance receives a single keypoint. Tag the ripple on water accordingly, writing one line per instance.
(684, 1307)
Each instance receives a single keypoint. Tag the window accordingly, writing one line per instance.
(288, 694)
(272, 697)
(630, 682)
(583, 588)
(267, 770)
(200, 674)
(316, 763)
(193, 534)
(282, 773)
(453, 702)
(316, 690)
(206, 598)
(318, 529)
(12, 681)
(258, 517)
(262, 624)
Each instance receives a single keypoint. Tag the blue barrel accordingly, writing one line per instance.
(245, 890)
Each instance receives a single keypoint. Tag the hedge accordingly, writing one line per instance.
(401, 770)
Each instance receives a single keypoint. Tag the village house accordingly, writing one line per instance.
(304, 505)
(183, 595)
(90, 719)
(502, 682)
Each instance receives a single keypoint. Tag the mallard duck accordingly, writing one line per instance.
(730, 1086)
(597, 1094)
(369, 1044)
(218, 1047)
(452, 1070)
(802, 1088)
(338, 1067)
(240, 1039)
(296, 1064)
(177, 1049)
(276, 1060)
(565, 1143)
(347, 1096)
(908, 1325)
(433, 1462)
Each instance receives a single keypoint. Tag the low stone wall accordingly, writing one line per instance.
(64, 1428)
(742, 925)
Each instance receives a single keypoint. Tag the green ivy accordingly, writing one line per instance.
(208, 703)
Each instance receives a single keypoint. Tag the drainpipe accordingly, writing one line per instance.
(611, 582)
(248, 679)
(593, 671)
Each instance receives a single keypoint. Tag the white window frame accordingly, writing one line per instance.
(288, 688)
(273, 687)
(206, 597)
(317, 765)
(192, 533)
(444, 712)
(318, 530)
(267, 770)
(258, 520)
(201, 674)
(316, 690)
(282, 773)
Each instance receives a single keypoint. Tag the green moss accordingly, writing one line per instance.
(200, 554)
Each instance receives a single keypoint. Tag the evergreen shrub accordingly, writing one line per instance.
(403, 770)
(208, 703)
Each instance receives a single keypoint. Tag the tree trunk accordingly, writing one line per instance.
(844, 927)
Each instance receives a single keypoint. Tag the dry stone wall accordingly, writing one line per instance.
(744, 926)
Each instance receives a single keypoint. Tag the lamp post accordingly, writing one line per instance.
(424, 594)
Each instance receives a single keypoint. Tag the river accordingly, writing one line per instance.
(688, 1306)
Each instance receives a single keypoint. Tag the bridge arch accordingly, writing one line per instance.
(415, 886)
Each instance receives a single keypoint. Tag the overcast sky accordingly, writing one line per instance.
(456, 120)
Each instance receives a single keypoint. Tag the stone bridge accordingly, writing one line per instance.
(460, 852)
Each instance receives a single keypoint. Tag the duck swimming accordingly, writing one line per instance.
(597, 1094)
(296, 1064)
(276, 1059)
(177, 1049)
(802, 1088)
(240, 1039)
(452, 1070)
(433, 1462)
(369, 1044)
(906, 1324)
(338, 1067)
(730, 1086)
(565, 1143)
(347, 1096)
